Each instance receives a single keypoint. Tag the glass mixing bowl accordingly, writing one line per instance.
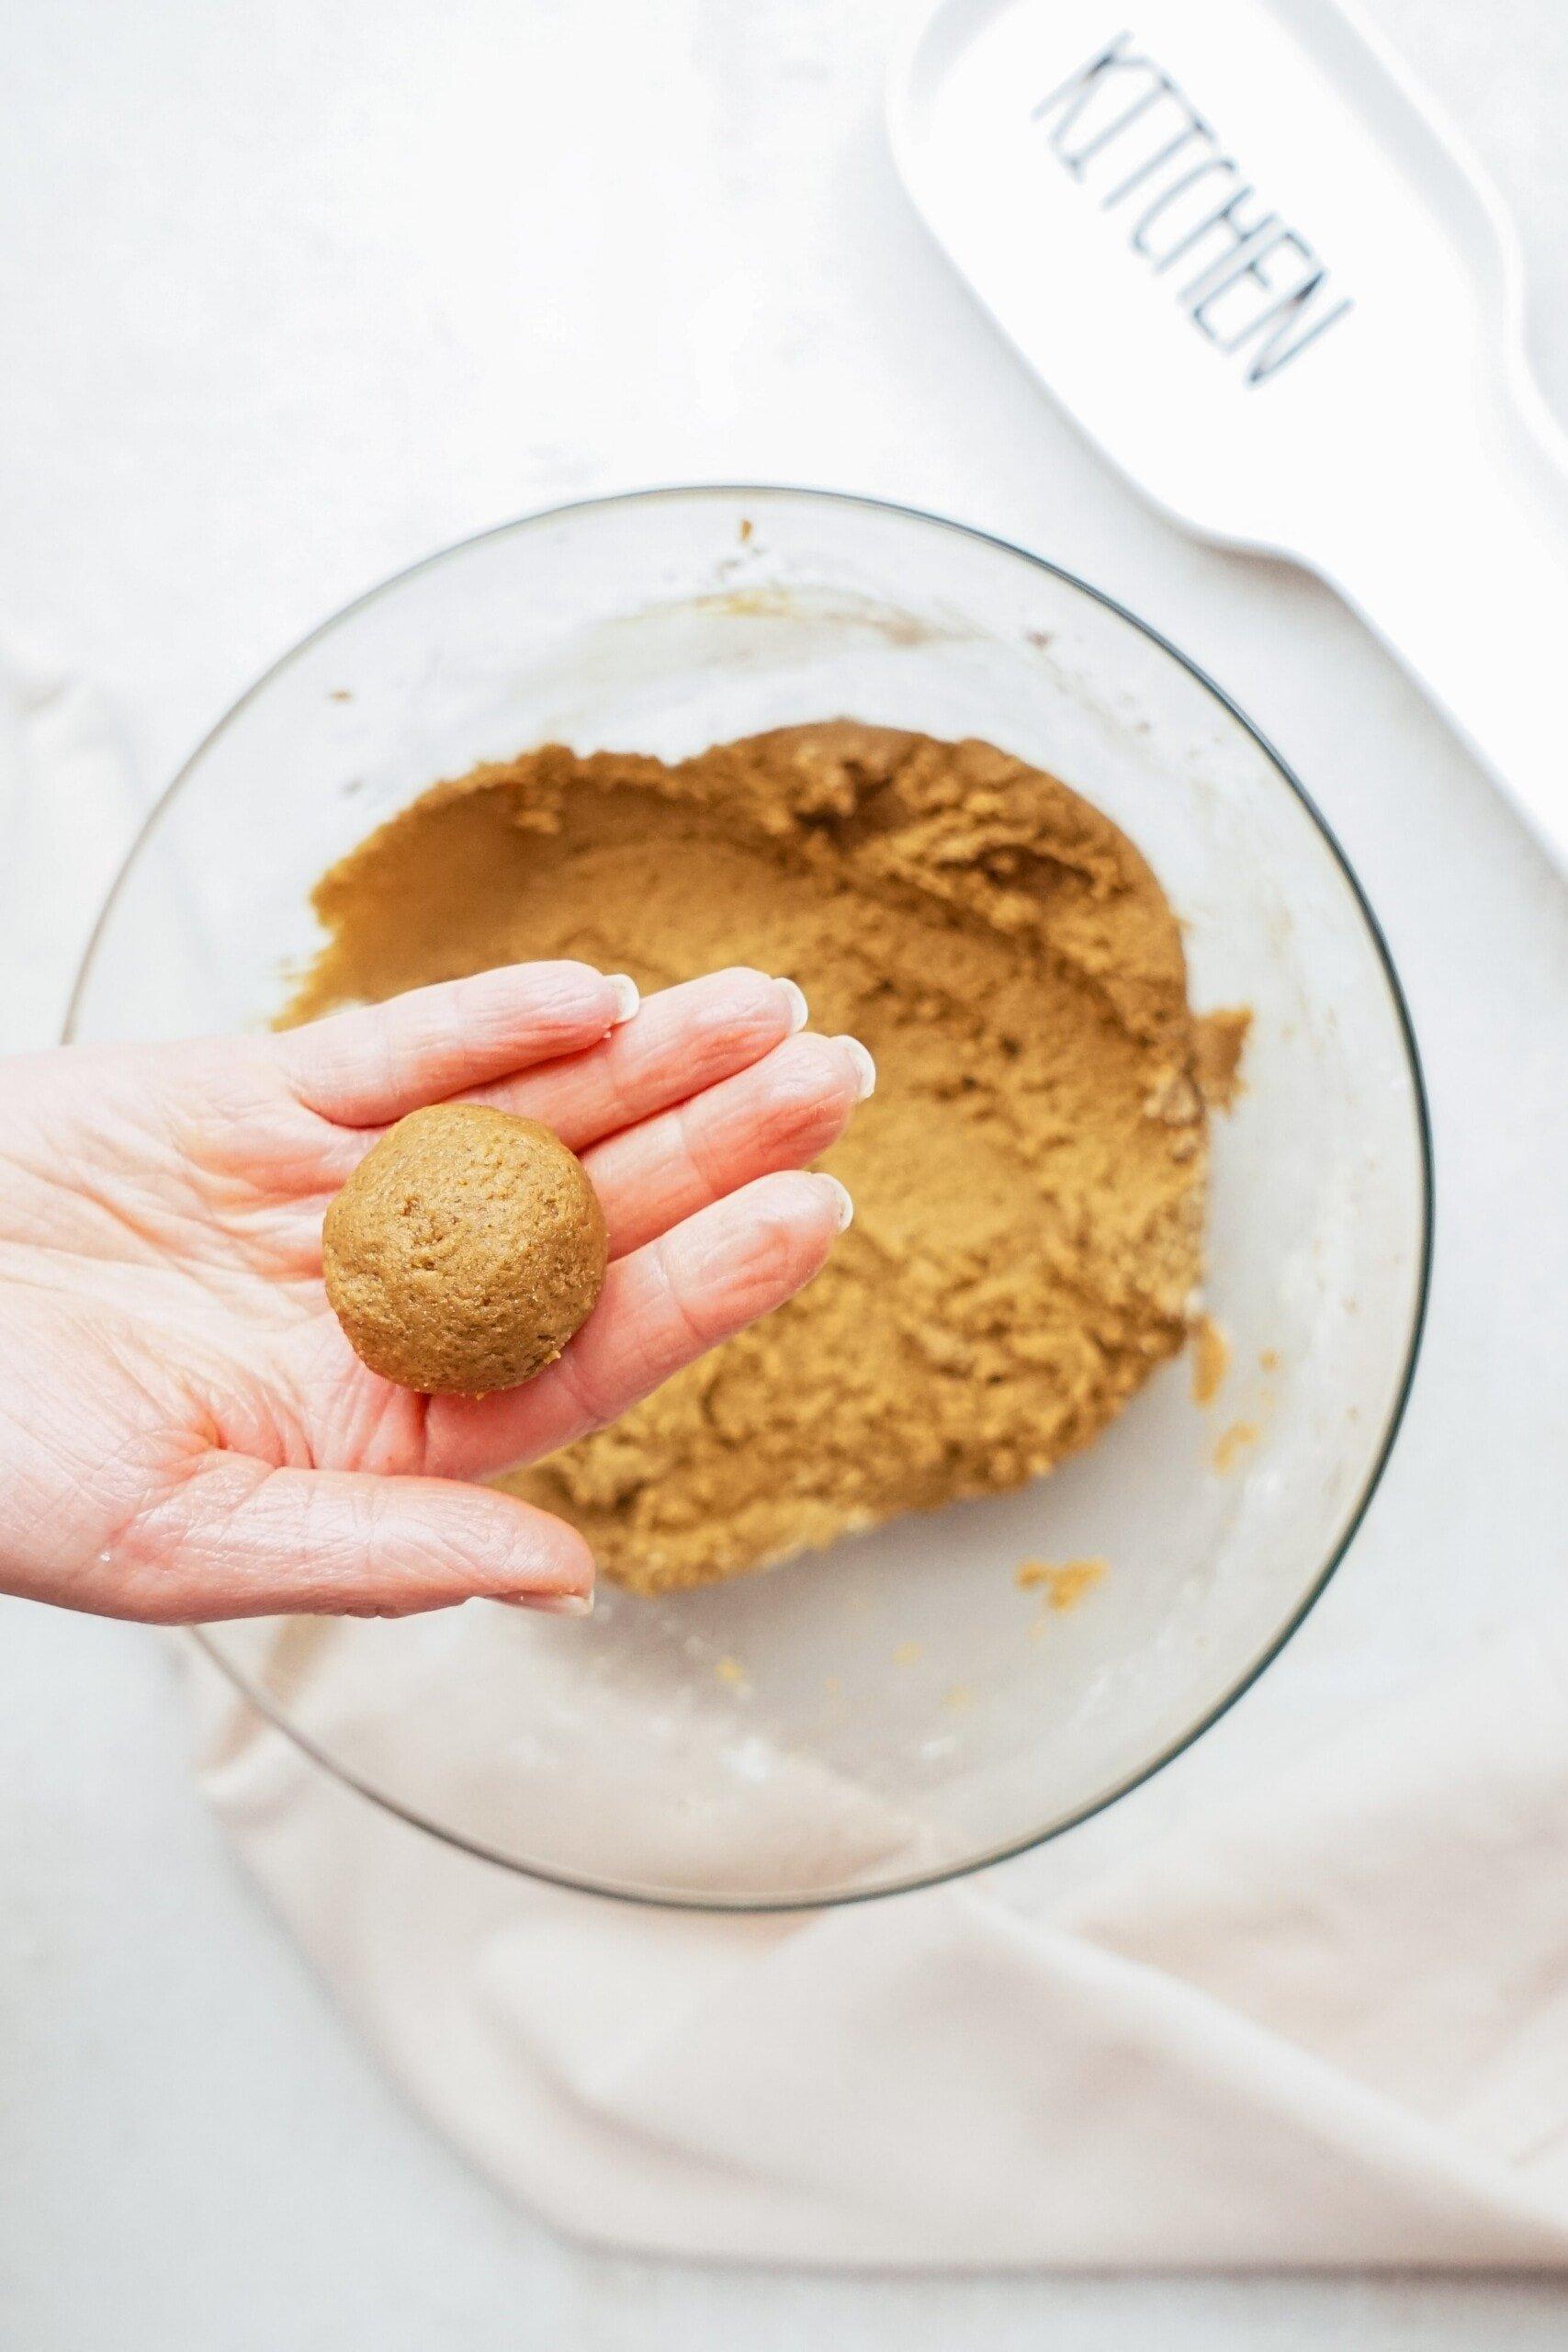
(894, 1709)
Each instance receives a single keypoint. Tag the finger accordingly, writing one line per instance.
(369, 1065)
(780, 1114)
(238, 1539)
(659, 1309)
(685, 1038)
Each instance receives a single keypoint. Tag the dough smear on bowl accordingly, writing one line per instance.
(1028, 1177)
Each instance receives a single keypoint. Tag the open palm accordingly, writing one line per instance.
(185, 1433)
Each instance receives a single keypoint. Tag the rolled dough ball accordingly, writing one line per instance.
(464, 1251)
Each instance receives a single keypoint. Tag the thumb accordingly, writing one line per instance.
(237, 1538)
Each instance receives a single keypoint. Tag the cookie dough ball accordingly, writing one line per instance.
(464, 1251)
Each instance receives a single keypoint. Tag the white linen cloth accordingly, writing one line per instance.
(1328, 2024)
(1328, 2027)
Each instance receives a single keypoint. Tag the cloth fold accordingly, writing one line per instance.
(1326, 2023)
(1329, 2026)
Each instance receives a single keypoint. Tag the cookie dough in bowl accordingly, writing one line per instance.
(1028, 1179)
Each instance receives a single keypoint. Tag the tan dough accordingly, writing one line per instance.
(464, 1251)
(1028, 1177)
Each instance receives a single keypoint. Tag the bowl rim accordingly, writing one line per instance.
(911, 1882)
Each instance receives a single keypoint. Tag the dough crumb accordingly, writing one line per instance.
(1211, 1358)
(908, 1653)
(1231, 1444)
(1065, 1585)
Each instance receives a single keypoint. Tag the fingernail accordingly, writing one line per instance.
(799, 1010)
(866, 1068)
(843, 1207)
(628, 997)
(550, 1604)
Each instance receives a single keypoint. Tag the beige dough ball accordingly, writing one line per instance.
(464, 1251)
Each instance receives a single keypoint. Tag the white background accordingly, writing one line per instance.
(292, 292)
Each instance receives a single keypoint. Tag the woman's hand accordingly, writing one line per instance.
(185, 1432)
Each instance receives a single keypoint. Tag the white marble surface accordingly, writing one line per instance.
(292, 293)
